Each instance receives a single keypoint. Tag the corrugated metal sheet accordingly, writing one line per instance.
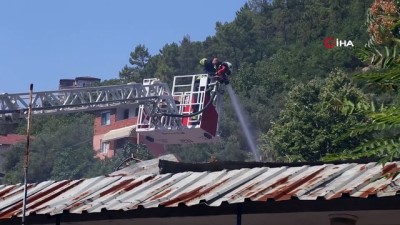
(129, 191)
(145, 167)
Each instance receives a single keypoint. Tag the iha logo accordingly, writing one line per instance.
(331, 42)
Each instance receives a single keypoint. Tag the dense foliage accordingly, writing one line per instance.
(383, 80)
(312, 124)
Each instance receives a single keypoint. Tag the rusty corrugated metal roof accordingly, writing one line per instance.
(130, 191)
(145, 167)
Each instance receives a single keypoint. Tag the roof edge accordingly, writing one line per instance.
(178, 167)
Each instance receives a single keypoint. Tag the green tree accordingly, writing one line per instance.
(168, 63)
(138, 61)
(311, 124)
(236, 40)
(139, 57)
(189, 55)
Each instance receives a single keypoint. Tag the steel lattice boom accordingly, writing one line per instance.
(80, 99)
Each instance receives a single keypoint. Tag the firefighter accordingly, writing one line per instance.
(208, 66)
(219, 70)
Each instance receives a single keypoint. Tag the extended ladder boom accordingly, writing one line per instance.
(80, 99)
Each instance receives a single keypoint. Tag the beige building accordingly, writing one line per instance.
(78, 82)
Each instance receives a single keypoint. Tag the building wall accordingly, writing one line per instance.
(97, 142)
(85, 83)
(100, 130)
(78, 82)
(114, 124)
(110, 153)
(66, 83)
(155, 149)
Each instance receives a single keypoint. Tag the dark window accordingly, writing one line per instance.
(137, 112)
(126, 113)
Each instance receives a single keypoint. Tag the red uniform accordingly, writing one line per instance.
(223, 71)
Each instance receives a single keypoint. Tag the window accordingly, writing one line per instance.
(104, 147)
(122, 114)
(126, 114)
(105, 118)
(137, 112)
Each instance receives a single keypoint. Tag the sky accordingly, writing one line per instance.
(43, 41)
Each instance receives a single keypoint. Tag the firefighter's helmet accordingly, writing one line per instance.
(203, 61)
(230, 66)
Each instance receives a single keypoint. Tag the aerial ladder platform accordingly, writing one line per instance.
(187, 113)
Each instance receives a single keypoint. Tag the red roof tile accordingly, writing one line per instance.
(12, 139)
